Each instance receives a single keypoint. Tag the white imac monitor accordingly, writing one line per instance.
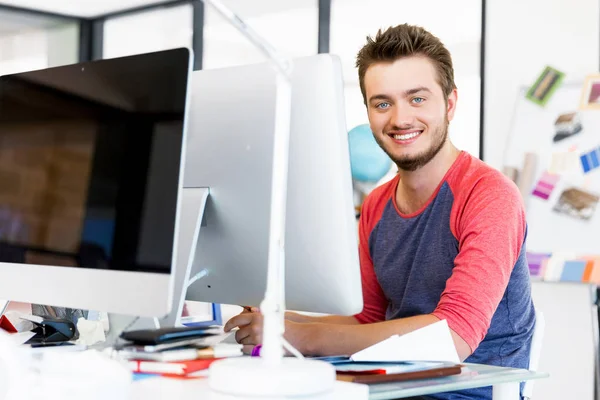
(90, 182)
(230, 150)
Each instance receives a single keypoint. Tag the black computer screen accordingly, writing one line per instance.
(90, 159)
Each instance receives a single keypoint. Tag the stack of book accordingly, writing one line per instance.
(178, 362)
(175, 352)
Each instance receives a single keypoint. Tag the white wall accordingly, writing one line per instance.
(521, 38)
(63, 45)
(148, 31)
(37, 48)
(23, 52)
(290, 27)
(569, 350)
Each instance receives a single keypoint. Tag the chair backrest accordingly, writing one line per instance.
(535, 351)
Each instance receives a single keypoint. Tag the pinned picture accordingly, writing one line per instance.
(566, 125)
(590, 160)
(544, 86)
(577, 203)
(563, 162)
(590, 94)
(545, 186)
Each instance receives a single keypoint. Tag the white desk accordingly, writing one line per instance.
(505, 382)
(163, 388)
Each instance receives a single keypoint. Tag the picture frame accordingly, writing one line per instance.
(545, 85)
(590, 93)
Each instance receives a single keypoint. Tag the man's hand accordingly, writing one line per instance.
(250, 326)
(250, 332)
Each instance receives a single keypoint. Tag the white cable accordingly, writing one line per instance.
(196, 277)
(288, 346)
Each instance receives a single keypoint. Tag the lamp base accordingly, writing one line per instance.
(253, 377)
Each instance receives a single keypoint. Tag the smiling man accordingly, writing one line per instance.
(444, 239)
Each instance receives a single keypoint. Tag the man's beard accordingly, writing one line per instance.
(412, 163)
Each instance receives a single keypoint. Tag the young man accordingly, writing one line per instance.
(444, 239)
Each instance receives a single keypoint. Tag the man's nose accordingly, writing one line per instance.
(403, 116)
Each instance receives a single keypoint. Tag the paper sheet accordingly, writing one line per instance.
(21, 337)
(431, 343)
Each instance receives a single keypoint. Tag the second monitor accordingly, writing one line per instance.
(230, 150)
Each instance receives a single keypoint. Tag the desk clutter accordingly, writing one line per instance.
(174, 352)
(564, 267)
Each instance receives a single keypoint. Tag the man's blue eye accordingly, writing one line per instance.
(383, 105)
(418, 100)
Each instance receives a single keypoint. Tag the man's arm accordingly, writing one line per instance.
(329, 339)
(335, 335)
(322, 319)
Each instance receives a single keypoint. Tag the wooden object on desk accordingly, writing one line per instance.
(404, 376)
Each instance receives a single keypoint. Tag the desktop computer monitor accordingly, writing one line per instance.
(90, 181)
(230, 150)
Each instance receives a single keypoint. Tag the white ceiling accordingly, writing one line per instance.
(80, 8)
(95, 8)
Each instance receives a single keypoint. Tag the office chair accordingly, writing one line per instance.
(535, 351)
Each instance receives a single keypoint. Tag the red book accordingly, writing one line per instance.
(170, 368)
(6, 325)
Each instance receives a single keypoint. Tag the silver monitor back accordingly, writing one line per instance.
(230, 150)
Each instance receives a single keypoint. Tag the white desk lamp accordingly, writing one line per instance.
(272, 375)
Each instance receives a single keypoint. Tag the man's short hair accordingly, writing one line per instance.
(405, 41)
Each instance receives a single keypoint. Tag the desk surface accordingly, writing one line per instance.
(473, 376)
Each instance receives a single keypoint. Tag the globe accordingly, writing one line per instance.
(368, 162)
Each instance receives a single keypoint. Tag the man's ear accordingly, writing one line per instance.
(452, 98)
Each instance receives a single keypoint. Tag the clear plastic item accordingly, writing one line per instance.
(54, 374)
(89, 375)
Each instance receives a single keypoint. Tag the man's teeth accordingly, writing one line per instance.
(407, 136)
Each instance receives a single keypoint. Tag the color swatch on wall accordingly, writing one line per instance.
(545, 85)
(543, 189)
(573, 271)
(563, 267)
(537, 263)
(577, 203)
(590, 160)
(564, 162)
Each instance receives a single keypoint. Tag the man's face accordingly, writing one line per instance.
(408, 111)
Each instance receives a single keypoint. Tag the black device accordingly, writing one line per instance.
(166, 335)
(93, 153)
(53, 330)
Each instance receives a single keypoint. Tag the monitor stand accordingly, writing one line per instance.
(193, 204)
